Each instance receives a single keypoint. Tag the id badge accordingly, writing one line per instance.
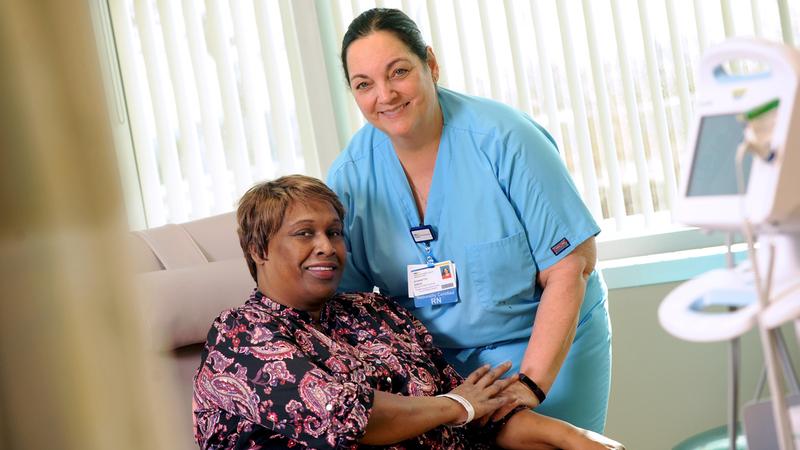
(432, 284)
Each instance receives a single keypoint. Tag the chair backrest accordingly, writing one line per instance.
(187, 275)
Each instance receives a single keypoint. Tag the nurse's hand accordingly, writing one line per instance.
(519, 395)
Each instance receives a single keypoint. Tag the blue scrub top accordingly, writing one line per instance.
(503, 207)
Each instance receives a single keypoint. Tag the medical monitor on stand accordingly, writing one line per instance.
(709, 196)
(741, 172)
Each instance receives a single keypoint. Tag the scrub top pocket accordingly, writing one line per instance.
(502, 272)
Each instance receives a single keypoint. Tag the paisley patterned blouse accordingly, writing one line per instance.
(269, 379)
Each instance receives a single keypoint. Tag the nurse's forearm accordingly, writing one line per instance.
(553, 331)
(529, 430)
(564, 286)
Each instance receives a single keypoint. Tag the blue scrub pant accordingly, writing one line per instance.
(580, 392)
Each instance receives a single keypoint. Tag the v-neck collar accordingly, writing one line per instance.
(438, 189)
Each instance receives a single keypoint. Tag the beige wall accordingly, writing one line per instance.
(664, 389)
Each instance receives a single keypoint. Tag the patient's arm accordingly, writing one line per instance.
(395, 418)
(529, 430)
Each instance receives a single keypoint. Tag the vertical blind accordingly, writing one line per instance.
(221, 94)
(211, 101)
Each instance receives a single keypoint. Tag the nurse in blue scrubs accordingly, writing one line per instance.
(442, 179)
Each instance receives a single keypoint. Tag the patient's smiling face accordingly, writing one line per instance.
(305, 258)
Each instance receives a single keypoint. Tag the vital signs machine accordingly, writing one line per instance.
(741, 173)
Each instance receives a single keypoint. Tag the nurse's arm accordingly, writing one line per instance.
(529, 430)
(564, 285)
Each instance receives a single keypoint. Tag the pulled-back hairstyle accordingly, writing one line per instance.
(262, 207)
(384, 19)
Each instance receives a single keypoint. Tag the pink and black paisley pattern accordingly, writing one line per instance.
(269, 379)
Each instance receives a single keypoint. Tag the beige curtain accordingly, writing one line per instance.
(72, 364)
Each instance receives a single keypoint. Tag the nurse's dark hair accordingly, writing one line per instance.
(384, 19)
(262, 207)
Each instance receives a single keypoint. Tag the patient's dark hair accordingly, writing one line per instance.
(384, 19)
(262, 207)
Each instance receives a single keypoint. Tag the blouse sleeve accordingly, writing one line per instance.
(266, 378)
(449, 377)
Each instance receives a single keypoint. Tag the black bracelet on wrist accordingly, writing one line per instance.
(537, 391)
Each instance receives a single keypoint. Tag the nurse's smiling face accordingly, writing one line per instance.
(394, 89)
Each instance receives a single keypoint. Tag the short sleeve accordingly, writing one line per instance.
(543, 195)
(267, 379)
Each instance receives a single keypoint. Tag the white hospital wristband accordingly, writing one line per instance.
(463, 402)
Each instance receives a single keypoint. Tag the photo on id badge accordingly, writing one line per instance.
(445, 270)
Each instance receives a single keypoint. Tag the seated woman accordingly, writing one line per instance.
(299, 366)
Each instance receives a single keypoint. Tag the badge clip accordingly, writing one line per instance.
(423, 234)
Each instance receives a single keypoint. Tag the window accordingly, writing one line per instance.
(215, 98)
(221, 94)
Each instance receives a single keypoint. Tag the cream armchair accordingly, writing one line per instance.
(187, 274)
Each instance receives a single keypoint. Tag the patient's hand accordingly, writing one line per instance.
(481, 389)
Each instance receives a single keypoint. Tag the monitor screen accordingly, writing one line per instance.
(713, 169)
